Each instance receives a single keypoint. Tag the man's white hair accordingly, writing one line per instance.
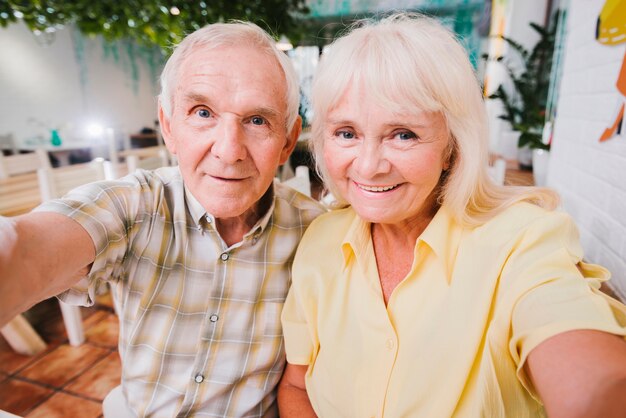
(229, 34)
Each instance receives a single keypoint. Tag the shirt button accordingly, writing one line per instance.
(224, 256)
(208, 219)
(214, 318)
(199, 378)
(390, 343)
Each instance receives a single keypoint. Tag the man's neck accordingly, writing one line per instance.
(232, 230)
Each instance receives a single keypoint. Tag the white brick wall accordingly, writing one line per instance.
(589, 175)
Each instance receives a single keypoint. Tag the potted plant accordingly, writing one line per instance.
(525, 103)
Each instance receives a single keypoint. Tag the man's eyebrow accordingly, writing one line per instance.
(196, 97)
(268, 112)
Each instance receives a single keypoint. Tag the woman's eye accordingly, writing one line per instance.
(257, 120)
(406, 135)
(345, 134)
(203, 113)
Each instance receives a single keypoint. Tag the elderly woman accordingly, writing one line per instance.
(436, 293)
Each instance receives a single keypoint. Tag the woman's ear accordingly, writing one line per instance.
(448, 155)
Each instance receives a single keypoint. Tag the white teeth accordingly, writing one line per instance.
(376, 188)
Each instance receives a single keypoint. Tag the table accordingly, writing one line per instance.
(144, 140)
(60, 152)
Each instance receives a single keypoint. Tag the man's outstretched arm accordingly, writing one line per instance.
(41, 255)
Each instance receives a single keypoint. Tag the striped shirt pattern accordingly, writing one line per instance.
(200, 331)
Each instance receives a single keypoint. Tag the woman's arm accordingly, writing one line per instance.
(580, 374)
(293, 400)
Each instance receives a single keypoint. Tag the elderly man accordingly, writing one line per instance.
(199, 255)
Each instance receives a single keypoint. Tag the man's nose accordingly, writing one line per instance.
(371, 160)
(229, 142)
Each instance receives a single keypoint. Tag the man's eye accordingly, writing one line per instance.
(257, 120)
(203, 113)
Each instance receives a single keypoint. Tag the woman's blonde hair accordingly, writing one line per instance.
(408, 61)
(233, 33)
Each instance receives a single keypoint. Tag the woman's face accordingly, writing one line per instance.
(387, 165)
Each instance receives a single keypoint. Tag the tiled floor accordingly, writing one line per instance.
(63, 381)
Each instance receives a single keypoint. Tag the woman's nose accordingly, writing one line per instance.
(371, 160)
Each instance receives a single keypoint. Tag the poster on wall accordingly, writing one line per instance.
(611, 31)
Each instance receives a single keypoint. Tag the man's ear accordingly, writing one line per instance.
(166, 132)
(292, 139)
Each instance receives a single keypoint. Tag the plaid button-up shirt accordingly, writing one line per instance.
(200, 331)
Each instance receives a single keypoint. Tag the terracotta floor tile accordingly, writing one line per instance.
(11, 362)
(98, 381)
(105, 332)
(63, 364)
(20, 397)
(94, 319)
(63, 405)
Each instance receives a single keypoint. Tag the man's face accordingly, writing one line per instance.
(227, 127)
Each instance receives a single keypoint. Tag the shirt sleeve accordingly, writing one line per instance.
(105, 210)
(551, 290)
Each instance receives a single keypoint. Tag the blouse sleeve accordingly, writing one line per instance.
(300, 310)
(551, 290)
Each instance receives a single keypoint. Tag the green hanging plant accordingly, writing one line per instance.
(525, 105)
(161, 23)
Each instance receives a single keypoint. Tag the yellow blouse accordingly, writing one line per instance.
(457, 330)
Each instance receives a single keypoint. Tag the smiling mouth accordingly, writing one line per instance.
(230, 179)
(376, 189)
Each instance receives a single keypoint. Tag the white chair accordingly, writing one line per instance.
(497, 170)
(11, 165)
(301, 181)
(54, 183)
(19, 194)
(148, 158)
(22, 337)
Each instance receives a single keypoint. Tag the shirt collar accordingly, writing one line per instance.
(442, 236)
(199, 215)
